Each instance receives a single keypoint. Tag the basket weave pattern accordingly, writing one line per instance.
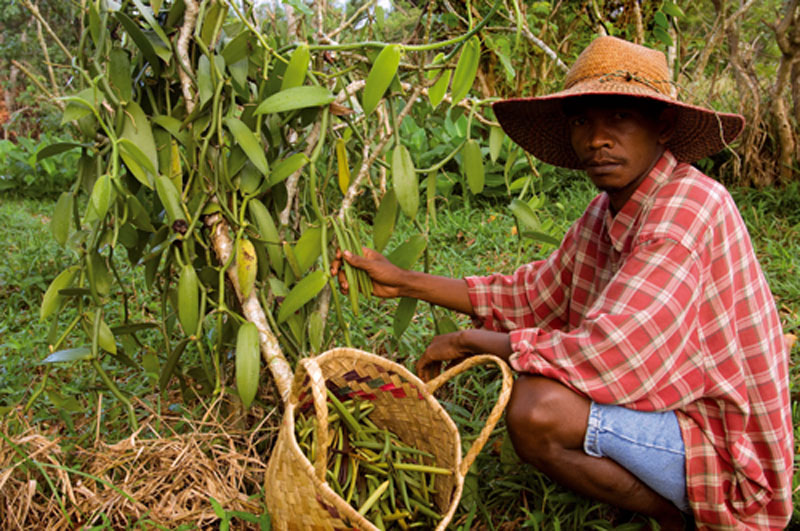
(297, 495)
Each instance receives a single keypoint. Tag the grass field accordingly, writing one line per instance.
(499, 493)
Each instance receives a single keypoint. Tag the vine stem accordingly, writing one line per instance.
(251, 308)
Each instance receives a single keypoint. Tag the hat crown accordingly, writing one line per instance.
(612, 59)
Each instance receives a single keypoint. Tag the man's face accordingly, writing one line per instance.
(617, 140)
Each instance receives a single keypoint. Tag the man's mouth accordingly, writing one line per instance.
(600, 166)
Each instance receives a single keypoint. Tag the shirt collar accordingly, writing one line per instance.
(619, 227)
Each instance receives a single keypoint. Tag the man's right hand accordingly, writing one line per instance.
(387, 278)
(390, 281)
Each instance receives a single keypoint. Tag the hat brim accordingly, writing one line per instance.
(539, 125)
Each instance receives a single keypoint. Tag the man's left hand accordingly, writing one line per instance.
(456, 346)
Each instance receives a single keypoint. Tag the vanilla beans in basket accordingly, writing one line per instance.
(385, 480)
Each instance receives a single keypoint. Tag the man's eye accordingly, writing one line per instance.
(577, 120)
(622, 115)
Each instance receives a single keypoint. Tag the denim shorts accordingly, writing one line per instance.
(648, 444)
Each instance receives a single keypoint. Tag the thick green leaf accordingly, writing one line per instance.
(301, 293)
(406, 183)
(119, 73)
(526, 219)
(385, 218)
(439, 89)
(54, 149)
(101, 195)
(472, 163)
(137, 129)
(247, 140)
(466, 69)
(142, 41)
(205, 86)
(268, 233)
(295, 98)
(248, 363)
(403, 315)
(406, 255)
(147, 13)
(308, 248)
(237, 48)
(105, 339)
(380, 76)
(286, 167)
(62, 218)
(137, 162)
(295, 72)
(52, 299)
(174, 126)
(70, 354)
(496, 137)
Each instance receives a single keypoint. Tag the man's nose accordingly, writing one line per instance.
(598, 136)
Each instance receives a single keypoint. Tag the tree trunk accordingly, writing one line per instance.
(786, 31)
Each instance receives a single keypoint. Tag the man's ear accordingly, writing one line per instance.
(666, 124)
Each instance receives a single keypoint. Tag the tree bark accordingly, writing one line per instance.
(785, 33)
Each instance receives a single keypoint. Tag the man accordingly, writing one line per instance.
(653, 373)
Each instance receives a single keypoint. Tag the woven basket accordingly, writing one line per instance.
(297, 495)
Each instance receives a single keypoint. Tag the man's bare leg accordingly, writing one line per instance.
(547, 423)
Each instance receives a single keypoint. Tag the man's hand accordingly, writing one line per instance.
(387, 278)
(456, 346)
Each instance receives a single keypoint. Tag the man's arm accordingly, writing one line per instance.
(390, 281)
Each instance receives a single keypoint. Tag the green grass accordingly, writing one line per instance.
(498, 492)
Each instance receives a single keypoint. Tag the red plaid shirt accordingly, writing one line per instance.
(664, 307)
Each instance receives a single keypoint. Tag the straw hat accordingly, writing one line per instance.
(612, 66)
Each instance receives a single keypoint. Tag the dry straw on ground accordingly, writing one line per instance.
(155, 477)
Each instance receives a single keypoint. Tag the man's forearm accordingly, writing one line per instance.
(442, 291)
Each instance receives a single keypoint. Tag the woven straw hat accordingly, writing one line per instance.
(612, 66)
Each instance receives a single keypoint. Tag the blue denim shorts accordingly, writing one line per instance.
(649, 445)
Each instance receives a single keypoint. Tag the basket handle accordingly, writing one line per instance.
(310, 367)
(497, 410)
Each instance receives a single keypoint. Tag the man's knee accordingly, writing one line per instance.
(543, 416)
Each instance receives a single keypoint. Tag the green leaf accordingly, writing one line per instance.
(316, 327)
(406, 255)
(439, 89)
(662, 35)
(70, 354)
(496, 137)
(101, 195)
(660, 20)
(301, 293)
(62, 218)
(268, 233)
(52, 299)
(142, 41)
(237, 48)
(540, 236)
(671, 8)
(472, 164)
(173, 126)
(137, 129)
(105, 339)
(385, 218)
(286, 167)
(380, 76)
(119, 73)
(405, 181)
(308, 248)
(136, 161)
(55, 149)
(147, 13)
(295, 72)
(247, 140)
(466, 69)
(526, 219)
(295, 98)
(205, 87)
(248, 363)
(403, 315)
